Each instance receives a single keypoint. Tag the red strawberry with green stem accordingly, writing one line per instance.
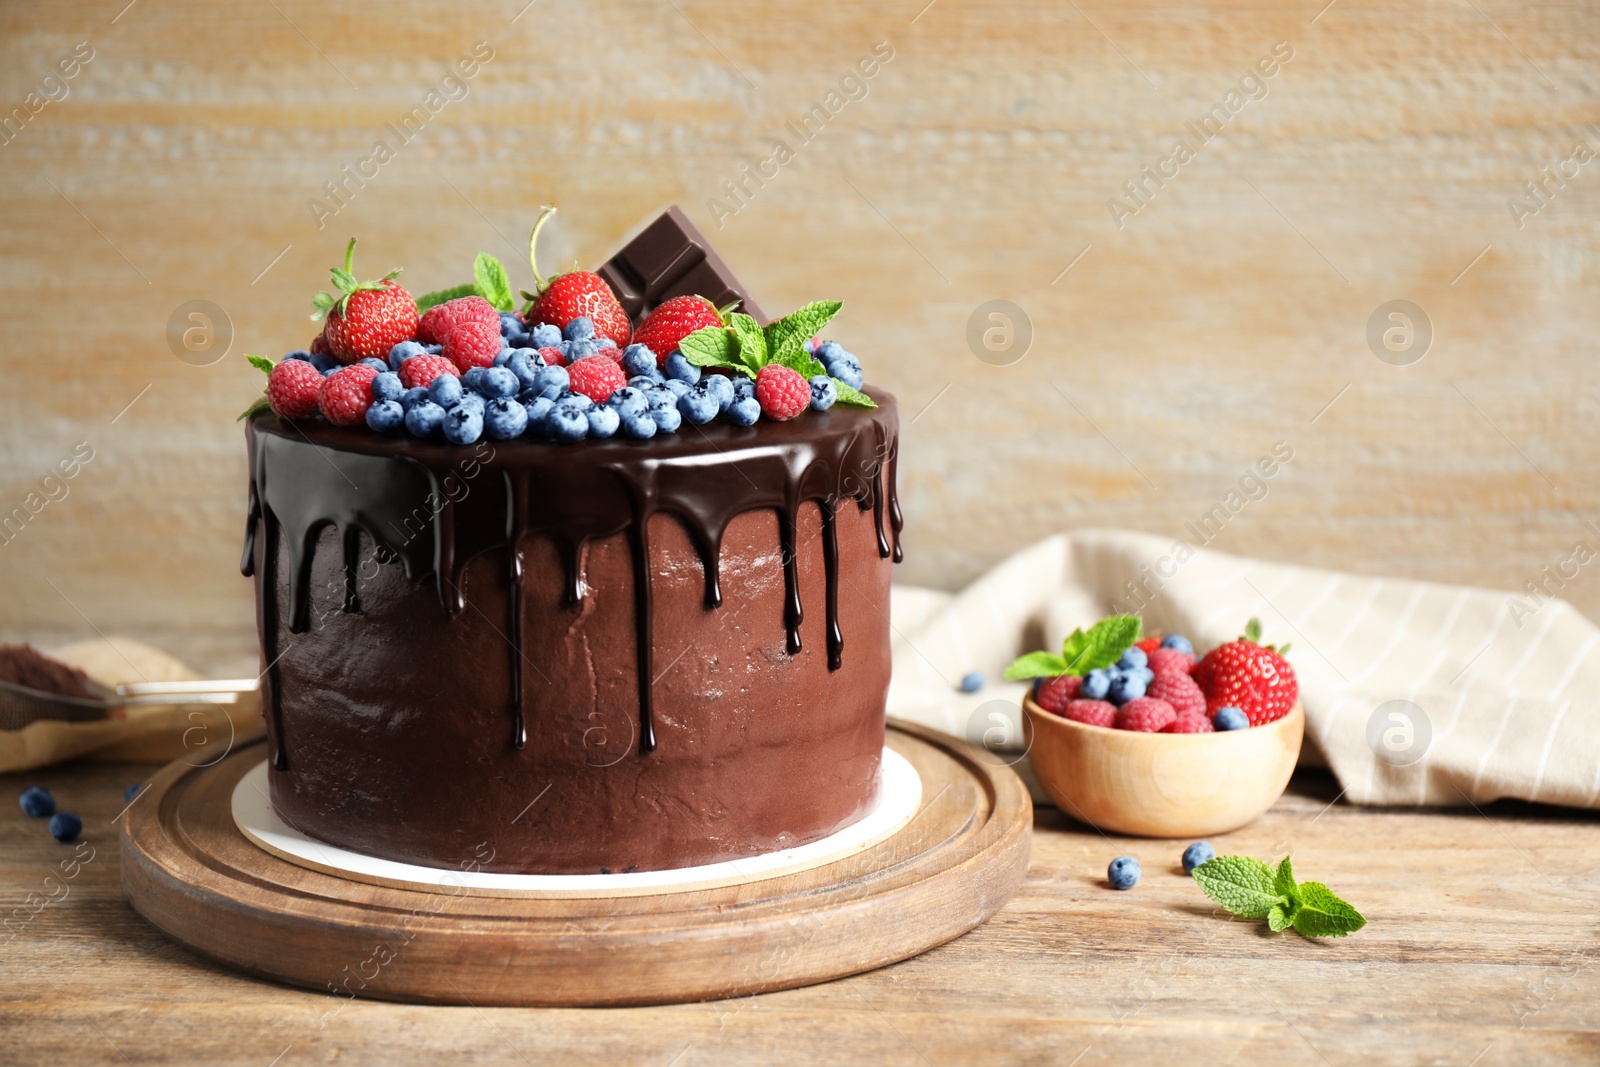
(575, 294)
(1250, 676)
(365, 319)
(676, 319)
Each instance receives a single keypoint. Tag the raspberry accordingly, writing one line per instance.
(1189, 724)
(319, 344)
(420, 371)
(1054, 695)
(1147, 645)
(292, 389)
(553, 357)
(1091, 713)
(1147, 715)
(783, 393)
(1179, 690)
(439, 320)
(596, 377)
(473, 344)
(1170, 659)
(347, 394)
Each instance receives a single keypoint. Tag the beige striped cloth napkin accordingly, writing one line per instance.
(1415, 693)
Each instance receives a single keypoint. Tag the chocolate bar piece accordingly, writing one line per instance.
(671, 257)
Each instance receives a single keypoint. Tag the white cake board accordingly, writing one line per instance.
(899, 796)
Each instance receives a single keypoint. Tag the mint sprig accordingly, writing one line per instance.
(1083, 651)
(787, 337)
(489, 280)
(1252, 889)
(744, 346)
(260, 363)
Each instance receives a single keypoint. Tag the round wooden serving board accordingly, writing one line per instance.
(190, 872)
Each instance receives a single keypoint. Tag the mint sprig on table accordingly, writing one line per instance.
(489, 280)
(1083, 651)
(745, 347)
(1251, 889)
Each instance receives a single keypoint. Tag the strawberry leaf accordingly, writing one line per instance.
(492, 282)
(790, 333)
(260, 363)
(856, 398)
(752, 342)
(1252, 631)
(428, 300)
(1036, 665)
(256, 408)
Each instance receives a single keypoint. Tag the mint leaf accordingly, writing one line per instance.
(1243, 885)
(1283, 881)
(1102, 645)
(260, 363)
(752, 342)
(789, 334)
(1277, 919)
(1036, 665)
(1321, 914)
(433, 299)
(855, 397)
(492, 282)
(259, 406)
(712, 346)
(800, 361)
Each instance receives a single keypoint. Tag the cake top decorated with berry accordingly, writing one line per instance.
(567, 365)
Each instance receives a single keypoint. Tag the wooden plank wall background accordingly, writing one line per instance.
(1174, 340)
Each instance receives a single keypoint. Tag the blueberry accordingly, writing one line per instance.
(743, 388)
(810, 345)
(65, 826)
(473, 402)
(502, 357)
(519, 340)
(538, 410)
(1096, 684)
(744, 412)
(546, 336)
(402, 352)
(387, 386)
(445, 390)
(667, 419)
(462, 425)
(972, 681)
(1125, 688)
(640, 426)
(433, 350)
(509, 323)
(1196, 854)
(676, 387)
(846, 373)
(582, 349)
(498, 382)
(299, 353)
(132, 791)
(823, 392)
(566, 423)
(525, 364)
(1230, 719)
(828, 351)
(1133, 657)
(424, 419)
(579, 329)
(1179, 642)
(603, 421)
(638, 359)
(698, 406)
(376, 364)
(661, 398)
(721, 387)
(410, 397)
(628, 401)
(1146, 673)
(1123, 873)
(646, 382)
(575, 402)
(386, 416)
(551, 381)
(324, 363)
(37, 802)
(605, 342)
(504, 419)
(680, 368)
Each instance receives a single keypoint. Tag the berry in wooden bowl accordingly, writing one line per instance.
(1184, 749)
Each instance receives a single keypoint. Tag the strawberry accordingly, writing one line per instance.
(575, 294)
(1147, 645)
(1179, 690)
(1252, 677)
(783, 393)
(437, 322)
(1055, 693)
(1146, 715)
(292, 389)
(366, 319)
(674, 320)
(346, 394)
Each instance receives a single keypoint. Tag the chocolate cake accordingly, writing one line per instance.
(615, 655)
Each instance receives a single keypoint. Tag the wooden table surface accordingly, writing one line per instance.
(1481, 948)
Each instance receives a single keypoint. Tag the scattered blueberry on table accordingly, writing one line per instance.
(1123, 873)
(1196, 854)
(972, 681)
(65, 826)
(37, 803)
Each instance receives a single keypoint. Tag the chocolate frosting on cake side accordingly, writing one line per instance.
(579, 657)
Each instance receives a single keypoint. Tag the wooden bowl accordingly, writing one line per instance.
(1162, 785)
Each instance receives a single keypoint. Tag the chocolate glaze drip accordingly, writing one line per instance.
(435, 508)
